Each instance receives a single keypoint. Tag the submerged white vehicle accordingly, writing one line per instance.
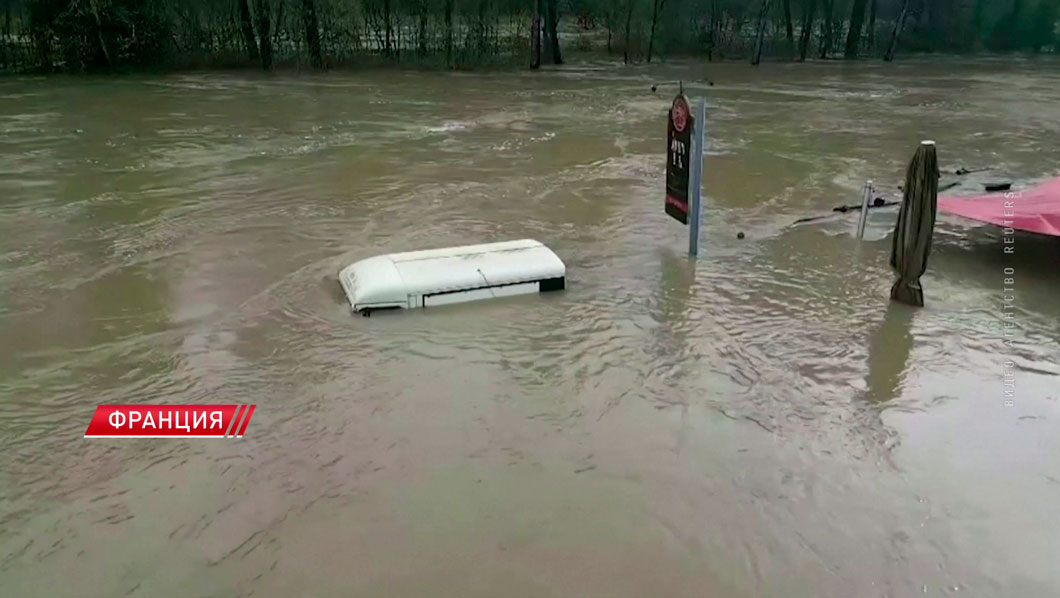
(454, 275)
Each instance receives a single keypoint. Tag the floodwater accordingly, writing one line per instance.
(757, 422)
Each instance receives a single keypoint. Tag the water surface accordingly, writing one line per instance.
(758, 422)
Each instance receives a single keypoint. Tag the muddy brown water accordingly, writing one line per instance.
(759, 422)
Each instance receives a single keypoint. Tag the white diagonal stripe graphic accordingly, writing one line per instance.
(235, 416)
(239, 424)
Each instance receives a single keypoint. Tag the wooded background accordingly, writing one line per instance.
(87, 35)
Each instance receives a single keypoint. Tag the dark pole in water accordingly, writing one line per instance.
(864, 216)
(699, 139)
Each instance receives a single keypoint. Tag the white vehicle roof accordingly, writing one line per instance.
(406, 279)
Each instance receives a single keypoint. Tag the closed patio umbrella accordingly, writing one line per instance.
(911, 242)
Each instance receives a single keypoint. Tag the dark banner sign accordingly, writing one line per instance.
(678, 152)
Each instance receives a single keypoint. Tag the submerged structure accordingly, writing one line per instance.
(1035, 210)
(454, 275)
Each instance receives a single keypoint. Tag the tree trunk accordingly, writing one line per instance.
(551, 23)
(609, 17)
(246, 27)
(264, 37)
(449, 32)
(762, 13)
(312, 33)
(657, 6)
(788, 28)
(389, 27)
(395, 45)
(535, 37)
(546, 32)
(372, 29)
(7, 36)
(421, 34)
(99, 31)
(872, 25)
(713, 30)
(277, 28)
(857, 17)
(826, 28)
(898, 24)
(629, 20)
(809, 7)
(480, 28)
(977, 25)
(38, 27)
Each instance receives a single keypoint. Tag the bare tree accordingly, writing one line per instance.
(277, 29)
(826, 28)
(246, 28)
(713, 30)
(809, 8)
(264, 38)
(535, 37)
(629, 20)
(789, 29)
(857, 17)
(389, 26)
(872, 25)
(551, 23)
(762, 13)
(312, 33)
(657, 5)
(609, 22)
(898, 24)
(421, 31)
(449, 32)
(7, 36)
(91, 34)
(94, 7)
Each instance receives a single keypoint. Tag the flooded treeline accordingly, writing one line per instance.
(85, 35)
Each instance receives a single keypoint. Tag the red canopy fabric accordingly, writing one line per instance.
(1035, 210)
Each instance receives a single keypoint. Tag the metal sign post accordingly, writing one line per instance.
(866, 197)
(698, 141)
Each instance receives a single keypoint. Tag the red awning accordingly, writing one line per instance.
(1035, 210)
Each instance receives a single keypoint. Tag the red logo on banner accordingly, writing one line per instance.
(170, 421)
(680, 114)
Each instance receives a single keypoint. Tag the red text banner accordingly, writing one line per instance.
(170, 421)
